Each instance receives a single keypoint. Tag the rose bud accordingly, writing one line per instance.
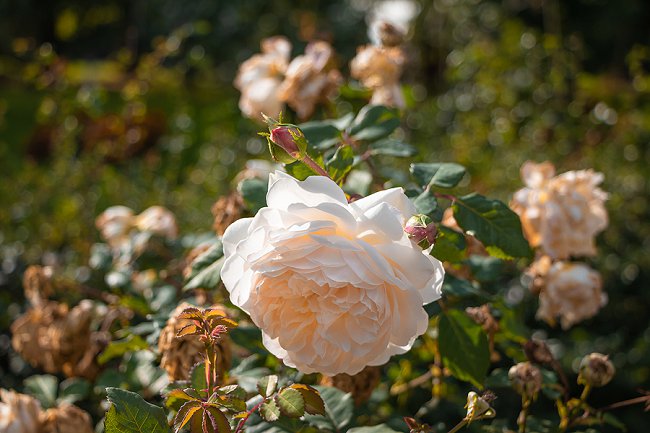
(596, 370)
(285, 138)
(421, 230)
(478, 407)
(526, 379)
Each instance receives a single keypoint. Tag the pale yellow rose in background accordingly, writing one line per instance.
(259, 79)
(334, 286)
(571, 292)
(114, 225)
(19, 413)
(310, 79)
(379, 68)
(561, 214)
(157, 220)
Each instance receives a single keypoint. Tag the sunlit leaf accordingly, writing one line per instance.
(290, 402)
(130, 413)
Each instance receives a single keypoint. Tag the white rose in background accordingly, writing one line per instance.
(159, 221)
(571, 292)
(334, 286)
(259, 78)
(561, 214)
(19, 413)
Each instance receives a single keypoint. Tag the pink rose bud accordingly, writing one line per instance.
(596, 370)
(283, 137)
(421, 230)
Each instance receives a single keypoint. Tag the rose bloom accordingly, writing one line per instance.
(159, 221)
(114, 225)
(379, 69)
(259, 79)
(334, 286)
(19, 413)
(570, 291)
(561, 214)
(310, 79)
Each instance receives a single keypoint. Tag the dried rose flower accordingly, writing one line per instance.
(259, 79)
(54, 337)
(561, 214)
(66, 418)
(379, 69)
(19, 413)
(37, 284)
(227, 210)
(180, 354)
(526, 379)
(360, 385)
(596, 370)
(310, 79)
(570, 291)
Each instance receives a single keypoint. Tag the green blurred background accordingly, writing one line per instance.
(131, 102)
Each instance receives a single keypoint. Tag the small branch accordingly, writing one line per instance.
(420, 380)
(458, 426)
(637, 400)
(240, 426)
(314, 166)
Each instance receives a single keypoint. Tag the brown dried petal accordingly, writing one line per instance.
(361, 385)
(227, 210)
(66, 418)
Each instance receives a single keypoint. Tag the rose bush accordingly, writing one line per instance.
(334, 286)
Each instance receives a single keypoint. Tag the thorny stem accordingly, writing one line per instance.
(636, 400)
(240, 426)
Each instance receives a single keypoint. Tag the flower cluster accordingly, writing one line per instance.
(561, 215)
(268, 80)
(379, 67)
(20, 413)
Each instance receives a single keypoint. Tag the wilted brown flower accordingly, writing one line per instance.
(483, 316)
(226, 211)
(570, 291)
(360, 385)
(389, 34)
(310, 79)
(259, 79)
(596, 370)
(19, 413)
(561, 214)
(54, 337)
(37, 284)
(379, 69)
(66, 418)
(179, 355)
(526, 379)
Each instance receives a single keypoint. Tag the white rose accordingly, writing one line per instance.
(334, 286)
(157, 220)
(114, 224)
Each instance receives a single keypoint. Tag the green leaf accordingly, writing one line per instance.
(117, 348)
(270, 411)
(215, 420)
(44, 387)
(301, 171)
(130, 413)
(493, 223)
(73, 390)
(290, 402)
(267, 385)
(390, 147)
(253, 191)
(339, 409)
(381, 428)
(374, 122)
(449, 246)
(464, 347)
(440, 174)
(485, 269)
(206, 269)
(610, 419)
(175, 398)
(185, 414)
(314, 404)
(197, 376)
(459, 288)
(321, 135)
(425, 203)
(341, 163)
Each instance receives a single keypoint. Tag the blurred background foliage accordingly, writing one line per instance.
(131, 102)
